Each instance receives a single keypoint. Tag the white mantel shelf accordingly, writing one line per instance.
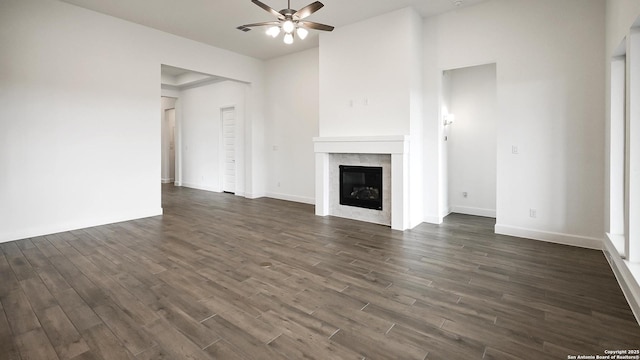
(395, 145)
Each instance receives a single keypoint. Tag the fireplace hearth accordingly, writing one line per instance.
(361, 186)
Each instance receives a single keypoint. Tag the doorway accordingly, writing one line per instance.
(209, 130)
(228, 152)
(470, 140)
(168, 141)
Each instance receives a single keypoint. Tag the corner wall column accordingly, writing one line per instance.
(633, 147)
(399, 187)
(322, 184)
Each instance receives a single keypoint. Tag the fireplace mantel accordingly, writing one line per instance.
(396, 145)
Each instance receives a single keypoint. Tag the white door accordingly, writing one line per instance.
(229, 149)
(171, 119)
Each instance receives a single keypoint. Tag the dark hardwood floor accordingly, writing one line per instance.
(222, 277)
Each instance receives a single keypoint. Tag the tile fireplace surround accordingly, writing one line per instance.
(331, 151)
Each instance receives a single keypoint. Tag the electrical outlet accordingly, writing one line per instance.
(278, 183)
(465, 194)
(533, 213)
(514, 150)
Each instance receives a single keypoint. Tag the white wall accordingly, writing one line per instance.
(471, 144)
(371, 85)
(80, 130)
(435, 188)
(291, 110)
(550, 83)
(366, 76)
(201, 133)
(416, 118)
(168, 131)
(620, 16)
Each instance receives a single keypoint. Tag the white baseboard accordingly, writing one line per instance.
(474, 211)
(200, 187)
(415, 222)
(548, 236)
(253, 196)
(167, 181)
(627, 280)
(618, 242)
(294, 198)
(436, 220)
(215, 189)
(78, 224)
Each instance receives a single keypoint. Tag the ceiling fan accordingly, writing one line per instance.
(289, 21)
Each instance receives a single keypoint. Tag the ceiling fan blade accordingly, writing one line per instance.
(268, 8)
(247, 27)
(315, 26)
(308, 10)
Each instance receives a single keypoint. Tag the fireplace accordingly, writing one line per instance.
(389, 152)
(361, 186)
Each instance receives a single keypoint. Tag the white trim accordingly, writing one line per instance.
(618, 242)
(548, 236)
(253, 196)
(221, 140)
(396, 145)
(293, 198)
(390, 138)
(201, 187)
(167, 181)
(473, 211)
(214, 189)
(82, 224)
(624, 273)
(437, 220)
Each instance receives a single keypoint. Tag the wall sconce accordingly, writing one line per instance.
(449, 119)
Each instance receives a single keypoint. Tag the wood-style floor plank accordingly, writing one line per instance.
(34, 344)
(19, 312)
(63, 335)
(7, 342)
(222, 277)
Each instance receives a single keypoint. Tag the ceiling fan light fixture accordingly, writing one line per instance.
(288, 26)
(288, 38)
(273, 31)
(302, 33)
(288, 21)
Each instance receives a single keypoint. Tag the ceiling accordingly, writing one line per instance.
(174, 71)
(214, 22)
(178, 78)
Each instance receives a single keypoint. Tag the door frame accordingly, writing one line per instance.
(222, 163)
(168, 146)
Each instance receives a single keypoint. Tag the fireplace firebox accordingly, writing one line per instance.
(361, 186)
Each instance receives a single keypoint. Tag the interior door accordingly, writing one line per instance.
(229, 148)
(171, 119)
